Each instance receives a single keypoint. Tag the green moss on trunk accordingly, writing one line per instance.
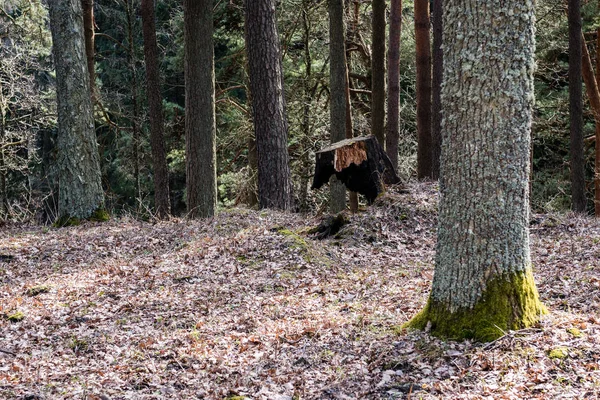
(510, 302)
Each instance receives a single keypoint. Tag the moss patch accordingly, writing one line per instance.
(100, 215)
(16, 316)
(508, 303)
(575, 332)
(558, 353)
(35, 290)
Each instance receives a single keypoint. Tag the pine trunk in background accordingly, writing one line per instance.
(268, 107)
(423, 87)
(3, 194)
(132, 60)
(200, 125)
(436, 88)
(337, 79)
(157, 141)
(393, 98)
(88, 31)
(378, 72)
(597, 144)
(578, 201)
(483, 284)
(78, 162)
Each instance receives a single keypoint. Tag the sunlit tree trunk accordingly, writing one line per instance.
(78, 162)
(157, 141)
(200, 125)
(423, 83)
(378, 72)
(436, 88)
(268, 106)
(393, 71)
(483, 284)
(88, 30)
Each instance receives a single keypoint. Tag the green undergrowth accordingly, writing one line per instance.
(100, 215)
(306, 249)
(508, 303)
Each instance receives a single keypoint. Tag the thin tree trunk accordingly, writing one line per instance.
(200, 125)
(393, 70)
(578, 199)
(3, 194)
(78, 162)
(157, 141)
(306, 108)
(268, 105)
(352, 196)
(337, 79)
(597, 144)
(378, 72)
(134, 100)
(423, 55)
(88, 31)
(436, 88)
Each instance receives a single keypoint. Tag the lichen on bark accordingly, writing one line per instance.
(509, 302)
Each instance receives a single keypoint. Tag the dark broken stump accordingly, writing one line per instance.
(360, 163)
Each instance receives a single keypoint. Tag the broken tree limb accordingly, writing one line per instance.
(360, 163)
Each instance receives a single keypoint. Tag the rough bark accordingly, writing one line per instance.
(155, 113)
(578, 200)
(597, 144)
(3, 195)
(90, 52)
(266, 86)
(337, 83)
(436, 88)
(200, 128)
(393, 69)
(378, 72)
(423, 87)
(78, 162)
(131, 58)
(483, 285)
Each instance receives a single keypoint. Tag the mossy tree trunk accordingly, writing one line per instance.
(200, 125)
(78, 162)
(337, 79)
(483, 284)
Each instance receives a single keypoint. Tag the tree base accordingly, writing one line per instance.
(508, 303)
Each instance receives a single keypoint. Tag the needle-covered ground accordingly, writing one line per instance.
(249, 305)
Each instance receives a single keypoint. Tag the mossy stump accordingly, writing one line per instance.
(508, 303)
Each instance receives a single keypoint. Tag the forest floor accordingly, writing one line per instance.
(249, 305)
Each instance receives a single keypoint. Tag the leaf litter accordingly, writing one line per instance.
(247, 305)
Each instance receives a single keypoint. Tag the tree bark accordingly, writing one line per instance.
(266, 86)
(88, 30)
(597, 144)
(200, 125)
(483, 284)
(378, 72)
(134, 100)
(578, 200)
(3, 194)
(423, 64)
(337, 79)
(436, 89)
(78, 162)
(393, 69)
(157, 141)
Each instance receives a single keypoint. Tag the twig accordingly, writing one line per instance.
(8, 352)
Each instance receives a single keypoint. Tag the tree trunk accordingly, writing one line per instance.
(378, 72)
(200, 128)
(337, 79)
(134, 101)
(436, 89)
(3, 194)
(597, 144)
(393, 99)
(78, 163)
(578, 200)
(157, 141)
(266, 86)
(88, 31)
(483, 284)
(423, 64)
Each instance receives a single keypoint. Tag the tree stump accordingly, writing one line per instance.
(360, 163)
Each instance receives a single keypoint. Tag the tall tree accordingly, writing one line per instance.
(268, 106)
(337, 79)
(578, 201)
(157, 141)
(78, 162)
(423, 83)
(597, 144)
(378, 72)
(483, 284)
(89, 34)
(436, 88)
(200, 125)
(393, 69)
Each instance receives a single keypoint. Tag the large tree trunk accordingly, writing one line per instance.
(423, 64)
(88, 31)
(157, 141)
(578, 201)
(483, 284)
(78, 162)
(378, 72)
(436, 89)
(266, 86)
(200, 125)
(393, 99)
(337, 79)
